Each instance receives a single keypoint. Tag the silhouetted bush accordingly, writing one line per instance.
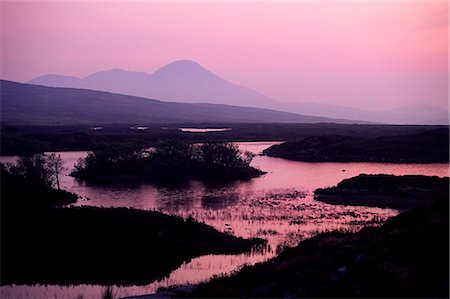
(30, 182)
(168, 162)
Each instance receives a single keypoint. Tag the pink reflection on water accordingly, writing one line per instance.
(278, 207)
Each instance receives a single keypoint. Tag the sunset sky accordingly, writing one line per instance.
(366, 54)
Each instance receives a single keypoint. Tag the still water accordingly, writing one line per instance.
(278, 207)
(203, 130)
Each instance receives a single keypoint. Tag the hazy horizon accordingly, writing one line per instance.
(158, 68)
(366, 55)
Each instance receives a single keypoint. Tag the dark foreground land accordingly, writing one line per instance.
(103, 246)
(405, 257)
(385, 191)
(19, 140)
(416, 147)
(45, 244)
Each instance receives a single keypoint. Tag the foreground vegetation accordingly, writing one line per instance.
(405, 257)
(429, 147)
(103, 246)
(30, 183)
(385, 191)
(48, 244)
(167, 163)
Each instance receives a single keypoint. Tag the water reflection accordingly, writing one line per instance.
(219, 201)
(278, 207)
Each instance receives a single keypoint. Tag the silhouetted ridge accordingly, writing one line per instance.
(25, 104)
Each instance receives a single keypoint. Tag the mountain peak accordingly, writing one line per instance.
(182, 68)
(185, 63)
(111, 72)
(116, 70)
(57, 80)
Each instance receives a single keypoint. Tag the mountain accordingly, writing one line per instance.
(418, 114)
(26, 104)
(188, 82)
(181, 81)
(57, 80)
(422, 114)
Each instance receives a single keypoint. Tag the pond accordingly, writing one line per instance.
(278, 207)
(203, 130)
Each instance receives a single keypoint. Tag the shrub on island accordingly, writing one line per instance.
(168, 162)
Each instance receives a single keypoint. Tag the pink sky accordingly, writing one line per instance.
(367, 54)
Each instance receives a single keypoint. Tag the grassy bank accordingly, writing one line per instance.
(103, 246)
(406, 257)
(385, 191)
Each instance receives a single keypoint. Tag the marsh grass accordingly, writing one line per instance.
(108, 293)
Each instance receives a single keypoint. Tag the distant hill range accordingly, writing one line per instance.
(26, 104)
(188, 82)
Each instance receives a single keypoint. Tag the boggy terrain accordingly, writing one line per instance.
(406, 257)
(429, 147)
(47, 244)
(385, 191)
(19, 140)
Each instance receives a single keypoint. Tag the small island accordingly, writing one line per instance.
(385, 191)
(427, 147)
(167, 162)
(46, 242)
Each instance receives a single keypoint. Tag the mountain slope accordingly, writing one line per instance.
(419, 114)
(182, 81)
(28, 104)
(188, 82)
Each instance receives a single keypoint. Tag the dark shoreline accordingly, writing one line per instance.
(385, 191)
(419, 148)
(104, 245)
